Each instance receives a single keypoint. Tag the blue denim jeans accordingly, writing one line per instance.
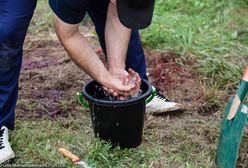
(97, 11)
(15, 16)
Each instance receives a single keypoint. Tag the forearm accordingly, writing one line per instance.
(80, 51)
(117, 39)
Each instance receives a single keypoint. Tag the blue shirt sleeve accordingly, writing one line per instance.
(70, 11)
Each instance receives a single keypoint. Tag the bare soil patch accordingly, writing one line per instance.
(50, 80)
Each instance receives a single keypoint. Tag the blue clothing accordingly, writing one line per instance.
(73, 12)
(15, 16)
(135, 58)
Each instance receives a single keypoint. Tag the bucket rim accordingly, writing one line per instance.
(117, 102)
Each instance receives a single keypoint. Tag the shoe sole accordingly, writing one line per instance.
(168, 110)
(9, 159)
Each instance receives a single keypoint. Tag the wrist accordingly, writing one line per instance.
(116, 65)
(116, 68)
(104, 78)
(113, 70)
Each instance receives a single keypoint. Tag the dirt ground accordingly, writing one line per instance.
(49, 78)
(49, 82)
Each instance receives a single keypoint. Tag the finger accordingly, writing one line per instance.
(138, 84)
(111, 90)
(134, 92)
(115, 94)
(126, 88)
(131, 71)
(105, 88)
(122, 98)
(138, 80)
(134, 75)
(125, 94)
(118, 86)
(127, 79)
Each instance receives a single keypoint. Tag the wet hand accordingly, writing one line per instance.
(116, 86)
(134, 78)
(129, 79)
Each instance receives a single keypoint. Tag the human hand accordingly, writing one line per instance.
(115, 85)
(130, 78)
(134, 78)
(120, 74)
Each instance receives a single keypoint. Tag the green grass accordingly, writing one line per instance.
(46, 136)
(214, 32)
(42, 23)
(37, 141)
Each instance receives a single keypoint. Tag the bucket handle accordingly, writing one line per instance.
(153, 94)
(82, 100)
(85, 103)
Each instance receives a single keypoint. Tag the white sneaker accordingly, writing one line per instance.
(6, 153)
(160, 104)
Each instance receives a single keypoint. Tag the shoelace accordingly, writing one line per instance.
(160, 95)
(1, 138)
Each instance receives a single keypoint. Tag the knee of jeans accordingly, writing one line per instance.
(7, 30)
(10, 56)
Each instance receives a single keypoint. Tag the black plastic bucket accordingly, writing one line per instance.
(120, 122)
